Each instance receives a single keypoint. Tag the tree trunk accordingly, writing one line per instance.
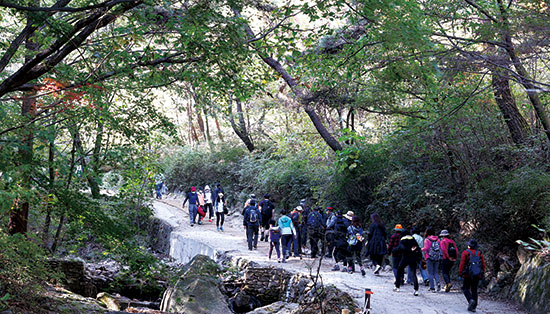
(208, 136)
(240, 130)
(92, 183)
(48, 219)
(507, 104)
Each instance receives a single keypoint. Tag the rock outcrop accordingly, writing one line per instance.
(532, 285)
(196, 290)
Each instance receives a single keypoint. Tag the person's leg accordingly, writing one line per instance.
(423, 272)
(277, 249)
(296, 244)
(409, 275)
(358, 260)
(466, 286)
(400, 273)
(430, 265)
(395, 264)
(271, 245)
(222, 220)
(445, 269)
(412, 268)
(313, 243)
(436, 274)
(249, 234)
(255, 232)
(217, 220)
(474, 286)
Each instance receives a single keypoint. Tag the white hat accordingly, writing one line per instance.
(349, 215)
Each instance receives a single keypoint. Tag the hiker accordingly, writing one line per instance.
(159, 184)
(411, 255)
(274, 239)
(219, 203)
(266, 208)
(218, 189)
(193, 202)
(376, 245)
(420, 240)
(329, 233)
(209, 199)
(200, 208)
(288, 232)
(355, 245)
(340, 242)
(316, 230)
(247, 203)
(433, 256)
(303, 226)
(395, 255)
(471, 268)
(296, 216)
(251, 222)
(450, 254)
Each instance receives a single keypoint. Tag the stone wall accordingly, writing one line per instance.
(159, 235)
(532, 285)
(74, 276)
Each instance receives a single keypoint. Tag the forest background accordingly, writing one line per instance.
(428, 112)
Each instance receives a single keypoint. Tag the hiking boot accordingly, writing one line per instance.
(278, 260)
(350, 270)
(335, 268)
(448, 287)
(396, 289)
(221, 228)
(472, 305)
(218, 229)
(415, 293)
(262, 238)
(200, 222)
(426, 282)
(363, 272)
(192, 224)
(438, 287)
(377, 269)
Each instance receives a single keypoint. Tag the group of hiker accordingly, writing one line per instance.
(204, 202)
(341, 237)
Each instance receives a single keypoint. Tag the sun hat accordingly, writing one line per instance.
(299, 208)
(349, 215)
(303, 201)
(444, 233)
(398, 227)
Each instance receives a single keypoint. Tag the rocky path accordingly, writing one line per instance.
(233, 242)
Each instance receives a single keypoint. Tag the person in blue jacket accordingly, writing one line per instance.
(251, 223)
(193, 199)
(288, 232)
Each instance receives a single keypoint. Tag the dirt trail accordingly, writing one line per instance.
(384, 300)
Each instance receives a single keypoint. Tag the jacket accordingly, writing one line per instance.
(409, 249)
(445, 244)
(428, 245)
(395, 239)
(274, 234)
(248, 212)
(465, 260)
(192, 197)
(377, 240)
(286, 226)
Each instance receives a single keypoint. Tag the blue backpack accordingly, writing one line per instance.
(475, 267)
(314, 220)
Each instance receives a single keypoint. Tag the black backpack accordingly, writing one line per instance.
(253, 216)
(452, 251)
(475, 269)
(314, 220)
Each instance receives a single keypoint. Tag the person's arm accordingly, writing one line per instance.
(292, 228)
(463, 262)
(245, 217)
(185, 200)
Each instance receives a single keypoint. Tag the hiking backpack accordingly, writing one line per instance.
(253, 216)
(452, 251)
(435, 251)
(474, 266)
(314, 220)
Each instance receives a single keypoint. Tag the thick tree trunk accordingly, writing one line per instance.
(240, 130)
(507, 104)
(207, 127)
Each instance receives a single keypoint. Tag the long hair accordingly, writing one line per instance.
(375, 218)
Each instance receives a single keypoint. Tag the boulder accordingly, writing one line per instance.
(109, 301)
(278, 307)
(196, 290)
(532, 285)
(243, 302)
(268, 284)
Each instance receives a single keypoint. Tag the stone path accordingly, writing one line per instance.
(204, 238)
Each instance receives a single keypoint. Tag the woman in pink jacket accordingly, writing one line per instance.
(450, 254)
(433, 255)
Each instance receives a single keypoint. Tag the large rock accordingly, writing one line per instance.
(278, 307)
(159, 235)
(532, 285)
(196, 291)
(268, 284)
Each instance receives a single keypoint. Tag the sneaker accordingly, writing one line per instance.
(262, 238)
(255, 248)
(200, 222)
(377, 269)
(472, 305)
(278, 260)
(350, 270)
(283, 261)
(218, 229)
(415, 293)
(438, 287)
(363, 272)
(432, 290)
(396, 289)
(344, 269)
(426, 282)
(221, 228)
(448, 287)
(335, 268)
(192, 224)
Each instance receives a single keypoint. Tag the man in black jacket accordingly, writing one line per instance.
(411, 256)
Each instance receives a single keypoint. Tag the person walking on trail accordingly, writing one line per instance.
(420, 240)
(411, 256)
(219, 203)
(193, 199)
(288, 232)
(251, 222)
(316, 231)
(395, 239)
(200, 208)
(218, 189)
(432, 255)
(266, 208)
(209, 199)
(355, 245)
(296, 216)
(450, 254)
(340, 242)
(471, 268)
(274, 239)
(329, 233)
(159, 184)
(303, 227)
(376, 245)
(252, 197)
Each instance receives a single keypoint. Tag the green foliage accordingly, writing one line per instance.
(539, 246)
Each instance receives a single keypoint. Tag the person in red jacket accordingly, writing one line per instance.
(472, 267)
(450, 254)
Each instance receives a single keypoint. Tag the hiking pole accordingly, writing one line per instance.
(366, 305)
